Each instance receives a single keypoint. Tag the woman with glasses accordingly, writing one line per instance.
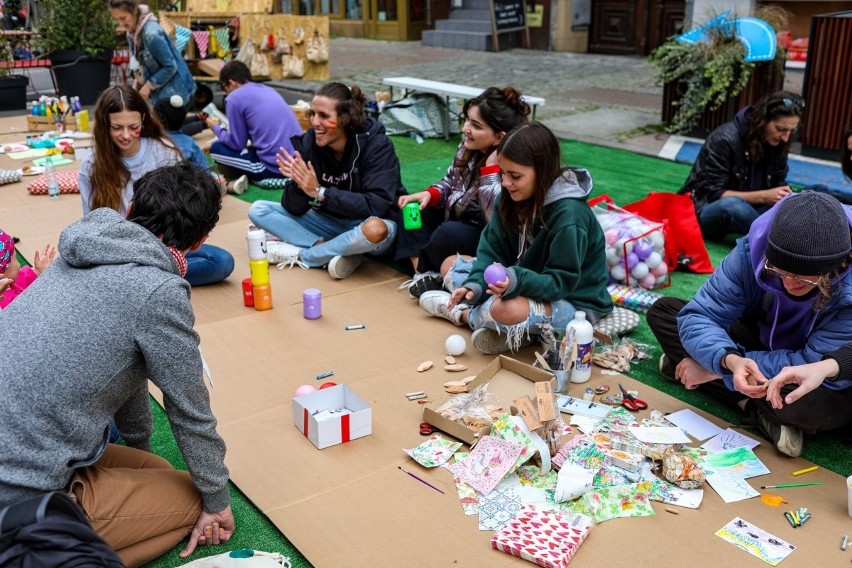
(782, 297)
(741, 170)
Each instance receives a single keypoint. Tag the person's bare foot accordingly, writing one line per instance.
(693, 375)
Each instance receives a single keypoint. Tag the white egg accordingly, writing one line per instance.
(618, 273)
(455, 345)
(654, 259)
(640, 271)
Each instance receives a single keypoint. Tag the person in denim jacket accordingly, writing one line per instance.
(157, 59)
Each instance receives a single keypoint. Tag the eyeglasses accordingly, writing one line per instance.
(795, 105)
(775, 272)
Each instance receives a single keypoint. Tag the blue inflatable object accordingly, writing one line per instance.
(757, 36)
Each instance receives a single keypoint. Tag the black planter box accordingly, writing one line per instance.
(80, 75)
(13, 92)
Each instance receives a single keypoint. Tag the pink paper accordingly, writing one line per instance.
(488, 462)
(545, 538)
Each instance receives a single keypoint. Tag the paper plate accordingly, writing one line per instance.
(13, 148)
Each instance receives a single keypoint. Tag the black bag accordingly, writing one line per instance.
(50, 531)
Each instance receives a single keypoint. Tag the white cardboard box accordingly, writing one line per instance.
(311, 416)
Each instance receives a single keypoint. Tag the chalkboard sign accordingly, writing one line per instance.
(508, 15)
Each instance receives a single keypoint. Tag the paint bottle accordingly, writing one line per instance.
(585, 339)
(262, 296)
(256, 243)
(411, 219)
(248, 293)
(312, 304)
(259, 272)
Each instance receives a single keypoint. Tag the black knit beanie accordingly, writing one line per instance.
(809, 235)
(171, 112)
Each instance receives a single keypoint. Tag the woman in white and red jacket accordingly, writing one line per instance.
(455, 209)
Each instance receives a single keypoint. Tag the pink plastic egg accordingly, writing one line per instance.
(660, 270)
(304, 389)
(648, 281)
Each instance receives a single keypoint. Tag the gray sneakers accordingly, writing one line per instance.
(492, 342)
(343, 266)
(787, 439)
(420, 283)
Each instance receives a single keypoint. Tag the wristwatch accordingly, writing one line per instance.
(318, 195)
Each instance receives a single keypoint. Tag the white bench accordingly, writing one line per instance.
(447, 90)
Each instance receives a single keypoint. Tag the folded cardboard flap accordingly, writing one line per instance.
(211, 67)
(332, 416)
(508, 379)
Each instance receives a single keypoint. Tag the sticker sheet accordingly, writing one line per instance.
(435, 451)
(756, 541)
(489, 462)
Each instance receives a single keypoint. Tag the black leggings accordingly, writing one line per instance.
(437, 240)
(820, 410)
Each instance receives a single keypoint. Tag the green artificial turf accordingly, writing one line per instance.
(624, 176)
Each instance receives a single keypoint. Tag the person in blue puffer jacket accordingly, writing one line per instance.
(781, 298)
(163, 71)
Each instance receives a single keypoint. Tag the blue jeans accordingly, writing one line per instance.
(207, 265)
(728, 215)
(340, 237)
(562, 311)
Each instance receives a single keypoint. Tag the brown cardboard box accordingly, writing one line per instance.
(508, 379)
(210, 67)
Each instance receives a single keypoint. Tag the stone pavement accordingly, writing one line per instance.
(609, 100)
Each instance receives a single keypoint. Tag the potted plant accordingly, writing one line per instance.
(13, 87)
(80, 36)
(705, 83)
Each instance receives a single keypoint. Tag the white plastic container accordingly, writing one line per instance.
(585, 339)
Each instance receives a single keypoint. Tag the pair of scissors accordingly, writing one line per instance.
(426, 429)
(630, 402)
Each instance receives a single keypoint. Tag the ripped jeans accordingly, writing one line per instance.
(537, 322)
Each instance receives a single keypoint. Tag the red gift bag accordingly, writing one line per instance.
(684, 244)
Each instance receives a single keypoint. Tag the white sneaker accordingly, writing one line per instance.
(343, 266)
(239, 185)
(284, 255)
(435, 302)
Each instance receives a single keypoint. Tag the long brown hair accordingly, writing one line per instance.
(780, 104)
(502, 110)
(531, 144)
(109, 175)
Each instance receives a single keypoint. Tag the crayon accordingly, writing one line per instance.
(357, 326)
(806, 470)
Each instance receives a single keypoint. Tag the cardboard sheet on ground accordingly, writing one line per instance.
(350, 505)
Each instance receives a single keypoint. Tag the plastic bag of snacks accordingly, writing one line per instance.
(635, 246)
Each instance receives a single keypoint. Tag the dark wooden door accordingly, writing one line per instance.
(633, 27)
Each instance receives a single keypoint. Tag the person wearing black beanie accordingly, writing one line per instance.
(781, 299)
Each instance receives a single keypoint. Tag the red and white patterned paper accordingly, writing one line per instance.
(545, 538)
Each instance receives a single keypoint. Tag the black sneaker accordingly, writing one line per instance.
(667, 367)
(427, 282)
(787, 439)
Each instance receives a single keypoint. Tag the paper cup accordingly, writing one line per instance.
(849, 493)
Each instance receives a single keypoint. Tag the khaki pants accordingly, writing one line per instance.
(137, 502)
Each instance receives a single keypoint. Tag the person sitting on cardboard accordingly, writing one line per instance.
(257, 114)
(79, 348)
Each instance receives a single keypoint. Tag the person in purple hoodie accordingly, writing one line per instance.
(257, 114)
(741, 170)
(781, 298)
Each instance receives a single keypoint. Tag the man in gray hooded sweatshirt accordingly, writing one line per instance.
(79, 347)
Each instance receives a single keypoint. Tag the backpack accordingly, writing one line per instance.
(48, 531)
